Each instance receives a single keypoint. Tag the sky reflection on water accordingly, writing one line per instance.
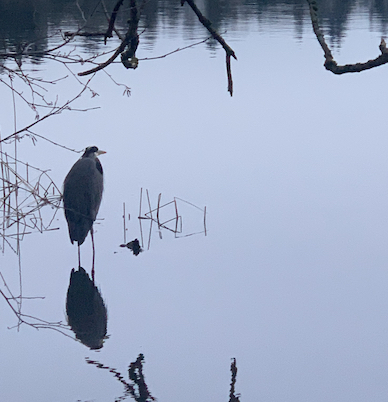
(291, 278)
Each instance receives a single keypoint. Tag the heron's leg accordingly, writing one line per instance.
(79, 255)
(94, 253)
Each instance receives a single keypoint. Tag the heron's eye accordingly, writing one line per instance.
(89, 151)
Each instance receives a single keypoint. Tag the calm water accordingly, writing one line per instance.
(291, 277)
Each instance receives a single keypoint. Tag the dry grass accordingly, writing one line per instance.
(24, 191)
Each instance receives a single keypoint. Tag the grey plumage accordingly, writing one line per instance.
(82, 194)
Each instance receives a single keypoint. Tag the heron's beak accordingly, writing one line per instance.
(100, 152)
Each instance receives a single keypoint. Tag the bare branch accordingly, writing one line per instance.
(112, 19)
(121, 37)
(55, 110)
(229, 75)
(330, 64)
(176, 50)
(107, 62)
(131, 40)
(32, 321)
(208, 25)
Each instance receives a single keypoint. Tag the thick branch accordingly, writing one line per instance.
(112, 20)
(330, 63)
(85, 34)
(119, 50)
(128, 57)
(208, 25)
(131, 40)
(229, 51)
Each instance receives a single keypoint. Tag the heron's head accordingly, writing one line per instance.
(92, 152)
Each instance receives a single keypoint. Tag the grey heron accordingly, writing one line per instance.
(82, 194)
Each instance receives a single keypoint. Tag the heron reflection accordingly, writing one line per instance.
(86, 310)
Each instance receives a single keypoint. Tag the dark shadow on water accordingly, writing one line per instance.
(135, 386)
(133, 245)
(29, 23)
(86, 310)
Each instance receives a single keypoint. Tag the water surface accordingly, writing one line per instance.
(291, 277)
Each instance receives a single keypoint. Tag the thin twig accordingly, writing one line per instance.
(177, 50)
(55, 110)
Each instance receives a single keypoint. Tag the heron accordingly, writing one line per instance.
(82, 194)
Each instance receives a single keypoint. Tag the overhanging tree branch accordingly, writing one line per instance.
(330, 64)
(112, 20)
(208, 25)
(130, 41)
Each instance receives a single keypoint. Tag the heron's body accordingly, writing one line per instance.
(82, 193)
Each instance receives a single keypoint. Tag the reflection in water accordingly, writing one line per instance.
(133, 245)
(136, 387)
(30, 26)
(232, 394)
(86, 311)
(167, 217)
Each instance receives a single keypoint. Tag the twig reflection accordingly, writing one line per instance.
(138, 388)
(172, 222)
